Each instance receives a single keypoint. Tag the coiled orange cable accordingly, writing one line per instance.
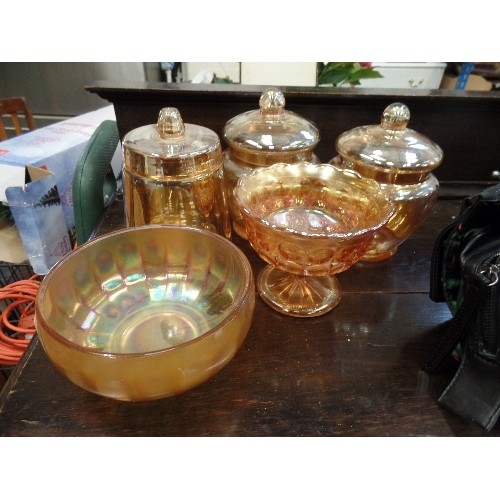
(17, 320)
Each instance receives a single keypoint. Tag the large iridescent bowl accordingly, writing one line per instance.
(308, 222)
(147, 312)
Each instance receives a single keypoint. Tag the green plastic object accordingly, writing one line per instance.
(94, 182)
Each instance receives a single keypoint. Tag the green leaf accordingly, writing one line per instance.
(334, 77)
(363, 73)
(337, 73)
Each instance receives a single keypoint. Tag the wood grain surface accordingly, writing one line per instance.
(355, 371)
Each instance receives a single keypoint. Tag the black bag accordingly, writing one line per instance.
(465, 273)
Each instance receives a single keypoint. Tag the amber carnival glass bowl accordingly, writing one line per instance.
(148, 312)
(308, 222)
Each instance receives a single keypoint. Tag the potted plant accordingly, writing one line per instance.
(345, 73)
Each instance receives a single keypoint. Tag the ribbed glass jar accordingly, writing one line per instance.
(261, 138)
(173, 174)
(401, 160)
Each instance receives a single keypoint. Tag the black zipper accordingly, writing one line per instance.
(483, 265)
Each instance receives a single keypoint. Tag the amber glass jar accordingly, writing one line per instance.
(261, 138)
(173, 174)
(401, 160)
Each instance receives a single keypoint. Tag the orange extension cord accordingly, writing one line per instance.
(15, 335)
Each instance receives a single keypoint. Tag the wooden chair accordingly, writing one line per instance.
(17, 108)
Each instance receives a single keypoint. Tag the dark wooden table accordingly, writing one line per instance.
(355, 371)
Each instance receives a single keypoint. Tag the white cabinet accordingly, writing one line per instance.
(424, 75)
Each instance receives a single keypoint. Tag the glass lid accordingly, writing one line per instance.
(184, 147)
(390, 145)
(271, 128)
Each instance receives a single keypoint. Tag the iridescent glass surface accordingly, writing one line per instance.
(262, 137)
(308, 222)
(146, 312)
(400, 160)
(173, 174)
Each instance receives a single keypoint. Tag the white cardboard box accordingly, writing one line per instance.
(39, 218)
(56, 148)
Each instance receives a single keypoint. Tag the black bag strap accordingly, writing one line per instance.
(474, 392)
(456, 330)
(436, 291)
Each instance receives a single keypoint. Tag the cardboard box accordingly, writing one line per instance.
(56, 148)
(11, 246)
(474, 82)
(39, 218)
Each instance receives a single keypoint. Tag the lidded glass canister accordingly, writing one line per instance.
(401, 160)
(261, 138)
(173, 174)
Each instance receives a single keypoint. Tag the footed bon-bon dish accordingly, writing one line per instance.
(308, 222)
